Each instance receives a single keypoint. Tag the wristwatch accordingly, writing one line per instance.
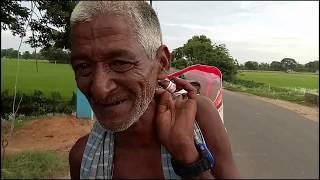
(205, 163)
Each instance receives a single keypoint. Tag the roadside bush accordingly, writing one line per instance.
(260, 89)
(73, 99)
(36, 104)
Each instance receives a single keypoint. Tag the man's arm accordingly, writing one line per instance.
(216, 138)
(75, 156)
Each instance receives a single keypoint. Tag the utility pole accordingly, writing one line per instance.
(151, 3)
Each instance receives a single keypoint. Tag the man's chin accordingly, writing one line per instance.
(121, 122)
(118, 125)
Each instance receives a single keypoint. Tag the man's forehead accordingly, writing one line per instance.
(101, 25)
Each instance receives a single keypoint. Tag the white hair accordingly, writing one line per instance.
(140, 13)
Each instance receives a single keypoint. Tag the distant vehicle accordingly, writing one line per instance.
(210, 79)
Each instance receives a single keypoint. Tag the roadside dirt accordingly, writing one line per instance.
(53, 134)
(57, 134)
(311, 113)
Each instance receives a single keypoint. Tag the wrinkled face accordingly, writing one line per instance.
(113, 71)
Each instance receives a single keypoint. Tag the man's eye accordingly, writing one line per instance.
(83, 69)
(121, 66)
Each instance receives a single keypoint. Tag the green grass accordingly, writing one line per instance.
(32, 165)
(276, 85)
(51, 77)
(282, 79)
(291, 95)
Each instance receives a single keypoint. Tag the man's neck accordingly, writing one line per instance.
(142, 133)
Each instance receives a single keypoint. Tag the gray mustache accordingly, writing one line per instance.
(108, 101)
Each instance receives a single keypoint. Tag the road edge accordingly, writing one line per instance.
(310, 113)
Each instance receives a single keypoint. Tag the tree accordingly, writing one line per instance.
(300, 68)
(179, 63)
(241, 67)
(51, 27)
(55, 55)
(251, 65)
(275, 66)
(12, 53)
(4, 52)
(36, 55)
(264, 66)
(288, 64)
(57, 14)
(26, 55)
(226, 66)
(198, 49)
(236, 62)
(13, 17)
(201, 50)
(312, 66)
(177, 53)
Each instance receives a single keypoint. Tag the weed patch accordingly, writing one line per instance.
(32, 165)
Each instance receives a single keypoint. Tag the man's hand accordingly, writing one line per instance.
(175, 122)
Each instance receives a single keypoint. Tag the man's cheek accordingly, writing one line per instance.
(84, 82)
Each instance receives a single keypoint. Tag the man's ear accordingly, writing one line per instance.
(164, 61)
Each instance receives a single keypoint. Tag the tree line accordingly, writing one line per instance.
(286, 64)
(54, 55)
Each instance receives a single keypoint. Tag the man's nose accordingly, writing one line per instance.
(102, 85)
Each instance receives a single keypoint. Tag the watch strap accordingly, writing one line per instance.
(206, 162)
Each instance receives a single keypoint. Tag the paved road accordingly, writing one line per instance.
(269, 141)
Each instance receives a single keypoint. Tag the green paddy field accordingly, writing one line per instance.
(309, 81)
(49, 78)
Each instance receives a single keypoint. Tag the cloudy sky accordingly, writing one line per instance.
(262, 31)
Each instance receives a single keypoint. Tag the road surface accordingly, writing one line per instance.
(269, 141)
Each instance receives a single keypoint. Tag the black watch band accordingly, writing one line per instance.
(205, 163)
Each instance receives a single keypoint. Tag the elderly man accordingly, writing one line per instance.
(142, 130)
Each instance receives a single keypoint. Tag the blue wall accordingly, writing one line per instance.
(83, 107)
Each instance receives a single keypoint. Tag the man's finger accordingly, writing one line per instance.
(165, 101)
(183, 84)
(159, 91)
(178, 100)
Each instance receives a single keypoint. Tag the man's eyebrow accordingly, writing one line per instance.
(75, 57)
(119, 53)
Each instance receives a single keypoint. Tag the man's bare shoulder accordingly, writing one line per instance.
(203, 99)
(78, 148)
(206, 104)
(75, 156)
